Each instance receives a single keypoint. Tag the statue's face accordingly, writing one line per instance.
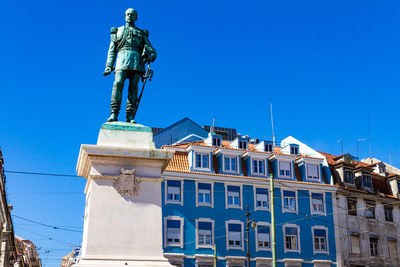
(130, 15)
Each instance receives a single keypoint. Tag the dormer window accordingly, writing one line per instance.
(242, 144)
(294, 149)
(216, 141)
(382, 168)
(312, 172)
(285, 169)
(258, 166)
(230, 163)
(202, 160)
(366, 181)
(268, 147)
(348, 176)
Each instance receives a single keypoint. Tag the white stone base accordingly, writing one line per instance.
(121, 262)
(123, 214)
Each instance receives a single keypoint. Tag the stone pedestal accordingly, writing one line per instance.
(123, 214)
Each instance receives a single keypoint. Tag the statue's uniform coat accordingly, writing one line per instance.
(130, 52)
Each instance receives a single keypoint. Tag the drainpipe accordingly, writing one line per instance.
(273, 237)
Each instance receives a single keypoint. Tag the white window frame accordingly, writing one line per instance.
(252, 166)
(268, 145)
(195, 153)
(384, 212)
(326, 240)
(298, 238)
(323, 203)
(227, 235)
(230, 156)
(245, 142)
(284, 210)
(318, 179)
(177, 218)
(211, 194)
(296, 150)
(291, 169)
(166, 192)
(227, 206)
(344, 175)
(367, 206)
(270, 240)
(377, 247)
(218, 141)
(255, 198)
(197, 233)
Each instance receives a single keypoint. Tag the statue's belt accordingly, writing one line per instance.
(130, 48)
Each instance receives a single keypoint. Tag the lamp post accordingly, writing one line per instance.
(253, 225)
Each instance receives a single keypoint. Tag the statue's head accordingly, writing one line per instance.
(130, 15)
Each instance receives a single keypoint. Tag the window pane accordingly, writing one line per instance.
(201, 198)
(227, 164)
(207, 198)
(205, 161)
(233, 164)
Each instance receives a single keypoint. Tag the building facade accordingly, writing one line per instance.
(8, 252)
(367, 213)
(27, 253)
(209, 184)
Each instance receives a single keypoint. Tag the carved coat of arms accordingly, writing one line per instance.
(127, 184)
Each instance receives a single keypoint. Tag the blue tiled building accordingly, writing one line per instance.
(209, 184)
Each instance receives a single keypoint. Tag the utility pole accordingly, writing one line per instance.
(272, 125)
(215, 255)
(272, 203)
(253, 225)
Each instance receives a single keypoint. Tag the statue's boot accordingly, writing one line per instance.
(113, 117)
(130, 118)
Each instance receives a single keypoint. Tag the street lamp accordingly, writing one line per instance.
(253, 225)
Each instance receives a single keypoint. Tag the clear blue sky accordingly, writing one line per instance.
(323, 64)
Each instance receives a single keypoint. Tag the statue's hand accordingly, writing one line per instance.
(107, 71)
(149, 58)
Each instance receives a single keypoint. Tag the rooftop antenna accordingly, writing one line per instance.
(341, 145)
(358, 140)
(369, 135)
(272, 125)
(213, 125)
(390, 159)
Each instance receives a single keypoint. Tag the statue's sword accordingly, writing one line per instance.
(147, 75)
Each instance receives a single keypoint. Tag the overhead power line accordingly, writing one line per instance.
(47, 225)
(43, 173)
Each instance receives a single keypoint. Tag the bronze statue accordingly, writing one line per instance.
(134, 51)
